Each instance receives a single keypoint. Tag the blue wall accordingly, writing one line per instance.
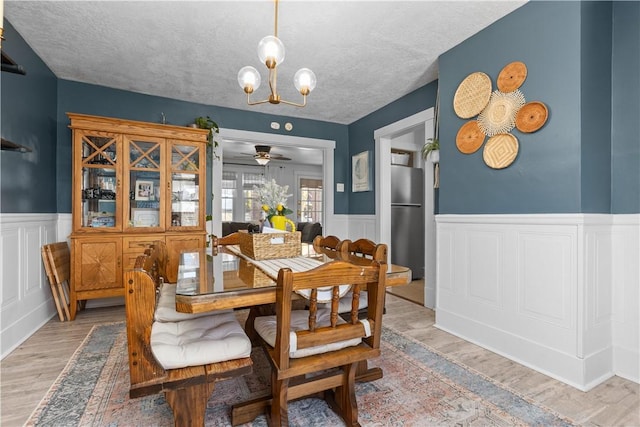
(545, 176)
(595, 106)
(98, 100)
(625, 121)
(583, 62)
(361, 137)
(580, 56)
(28, 182)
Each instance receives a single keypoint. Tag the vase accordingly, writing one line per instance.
(280, 222)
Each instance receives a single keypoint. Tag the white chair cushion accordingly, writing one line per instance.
(166, 306)
(193, 342)
(265, 326)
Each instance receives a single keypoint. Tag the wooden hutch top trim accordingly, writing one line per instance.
(132, 127)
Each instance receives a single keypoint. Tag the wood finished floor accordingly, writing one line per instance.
(28, 372)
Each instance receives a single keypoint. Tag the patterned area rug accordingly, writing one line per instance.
(420, 388)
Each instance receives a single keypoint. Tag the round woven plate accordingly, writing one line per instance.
(512, 76)
(472, 95)
(531, 117)
(500, 151)
(469, 138)
(499, 116)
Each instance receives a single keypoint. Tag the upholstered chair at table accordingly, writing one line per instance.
(301, 342)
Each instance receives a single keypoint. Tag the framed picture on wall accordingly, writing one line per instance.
(144, 190)
(360, 176)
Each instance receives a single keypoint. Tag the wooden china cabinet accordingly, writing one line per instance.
(133, 183)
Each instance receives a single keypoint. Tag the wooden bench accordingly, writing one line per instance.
(187, 389)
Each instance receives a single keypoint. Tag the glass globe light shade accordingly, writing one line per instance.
(262, 161)
(270, 49)
(249, 78)
(304, 80)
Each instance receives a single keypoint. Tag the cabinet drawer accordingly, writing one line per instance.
(138, 244)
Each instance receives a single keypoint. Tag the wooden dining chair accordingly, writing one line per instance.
(56, 259)
(229, 239)
(327, 245)
(301, 342)
(365, 248)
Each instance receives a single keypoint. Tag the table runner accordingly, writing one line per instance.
(271, 267)
(297, 264)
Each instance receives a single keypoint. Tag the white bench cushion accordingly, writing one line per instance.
(193, 342)
(265, 326)
(166, 306)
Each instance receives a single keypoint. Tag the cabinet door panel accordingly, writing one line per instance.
(187, 184)
(97, 186)
(98, 264)
(134, 246)
(144, 180)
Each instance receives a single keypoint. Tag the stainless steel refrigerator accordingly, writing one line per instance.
(407, 218)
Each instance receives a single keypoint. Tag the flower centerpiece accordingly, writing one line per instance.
(273, 198)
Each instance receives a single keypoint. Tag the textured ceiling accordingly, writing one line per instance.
(365, 54)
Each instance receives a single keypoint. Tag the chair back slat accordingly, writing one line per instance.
(334, 274)
(329, 245)
(365, 248)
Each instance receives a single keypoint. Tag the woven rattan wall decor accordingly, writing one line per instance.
(496, 114)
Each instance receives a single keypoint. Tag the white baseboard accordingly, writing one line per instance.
(545, 360)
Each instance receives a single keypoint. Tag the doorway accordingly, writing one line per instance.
(231, 136)
(422, 123)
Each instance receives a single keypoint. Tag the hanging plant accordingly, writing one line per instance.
(433, 144)
(429, 147)
(207, 123)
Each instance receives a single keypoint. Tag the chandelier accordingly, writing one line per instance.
(271, 53)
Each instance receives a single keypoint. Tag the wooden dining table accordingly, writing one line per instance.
(209, 281)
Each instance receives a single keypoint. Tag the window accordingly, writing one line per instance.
(252, 206)
(310, 200)
(229, 180)
(238, 202)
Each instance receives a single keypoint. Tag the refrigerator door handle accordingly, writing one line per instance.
(417, 205)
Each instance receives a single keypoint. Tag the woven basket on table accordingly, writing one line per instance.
(260, 246)
(252, 275)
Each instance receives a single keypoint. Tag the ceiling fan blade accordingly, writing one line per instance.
(279, 157)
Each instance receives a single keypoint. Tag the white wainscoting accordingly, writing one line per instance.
(26, 296)
(353, 227)
(26, 302)
(557, 293)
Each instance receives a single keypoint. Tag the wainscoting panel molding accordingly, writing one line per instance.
(27, 303)
(557, 293)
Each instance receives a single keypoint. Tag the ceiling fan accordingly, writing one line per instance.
(263, 155)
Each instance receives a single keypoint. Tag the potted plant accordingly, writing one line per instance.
(431, 150)
(207, 123)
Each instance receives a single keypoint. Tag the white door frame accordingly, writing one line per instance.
(229, 136)
(383, 138)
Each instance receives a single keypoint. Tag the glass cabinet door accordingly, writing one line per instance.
(187, 176)
(99, 183)
(144, 177)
